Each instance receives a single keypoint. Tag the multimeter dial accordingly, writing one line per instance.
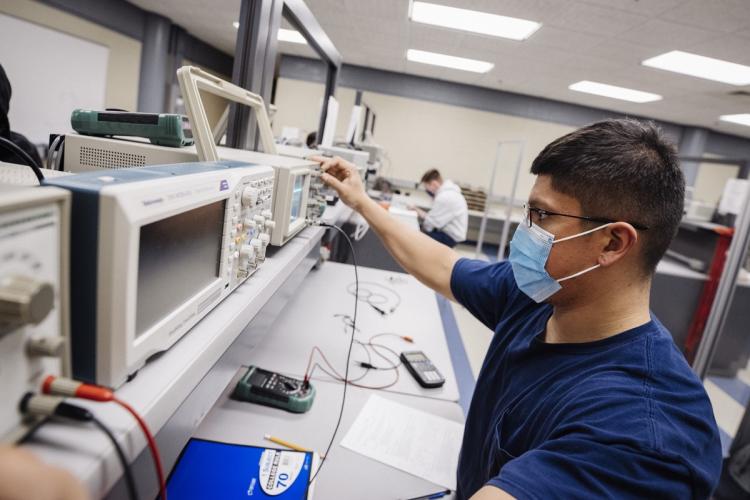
(273, 389)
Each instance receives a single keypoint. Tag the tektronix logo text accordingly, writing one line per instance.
(224, 185)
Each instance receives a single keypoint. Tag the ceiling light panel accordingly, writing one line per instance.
(741, 119)
(701, 67)
(473, 21)
(614, 92)
(446, 61)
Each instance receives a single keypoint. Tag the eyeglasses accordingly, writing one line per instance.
(539, 214)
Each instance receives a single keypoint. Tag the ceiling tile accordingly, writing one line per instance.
(435, 39)
(624, 53)
(375, 61)
(589, 18)
(720, 15)
(729, 48)
(488, 44)
(644, 7)
(390, 10)
(563, 39)
(661, 34)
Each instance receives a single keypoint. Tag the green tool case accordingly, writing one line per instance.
(163, 129)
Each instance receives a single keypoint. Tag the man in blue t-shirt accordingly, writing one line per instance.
(583, 393)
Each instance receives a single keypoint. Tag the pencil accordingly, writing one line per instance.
(276, 440)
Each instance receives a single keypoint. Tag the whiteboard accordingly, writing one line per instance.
(51, 73)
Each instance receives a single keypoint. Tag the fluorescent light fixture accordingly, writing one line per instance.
(701, 67)
(283, 35)
(614, 92)
(291, 36)
(472, 20)
(446, 61)
(741, 119)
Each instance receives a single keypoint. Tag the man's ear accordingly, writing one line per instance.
(620, 238)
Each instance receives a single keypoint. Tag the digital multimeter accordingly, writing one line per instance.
(164, 129)
(273, 389)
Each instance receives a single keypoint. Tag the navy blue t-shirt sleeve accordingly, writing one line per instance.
(571, 467)
(483, 288)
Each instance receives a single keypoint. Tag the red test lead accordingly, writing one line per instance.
(60, 386)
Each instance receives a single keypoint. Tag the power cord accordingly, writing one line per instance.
(383, 305)
(129, 481)
(55, 406)
(57, 146)
(66, 387)
(368, 365)
(60, 155)
(349, 351)
(22, 155)
(51, 151)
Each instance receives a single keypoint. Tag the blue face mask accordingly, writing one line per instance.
(529, 251)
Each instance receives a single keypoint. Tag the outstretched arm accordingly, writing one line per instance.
(427, 260)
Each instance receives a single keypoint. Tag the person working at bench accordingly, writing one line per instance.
(582, 393)
(7, 154)
(448, 219)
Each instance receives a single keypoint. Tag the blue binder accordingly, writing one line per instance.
(210, 469)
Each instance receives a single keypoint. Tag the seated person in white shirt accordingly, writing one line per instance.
(448, 219)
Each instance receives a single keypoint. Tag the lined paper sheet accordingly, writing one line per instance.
(407, 439)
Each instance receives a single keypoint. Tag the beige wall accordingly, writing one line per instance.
(124, 66)
(418, 135)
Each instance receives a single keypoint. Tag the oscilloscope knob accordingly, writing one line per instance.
(247, 253)
(250, 196)
(25, 300)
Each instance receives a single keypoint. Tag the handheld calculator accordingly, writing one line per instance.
(422, 369)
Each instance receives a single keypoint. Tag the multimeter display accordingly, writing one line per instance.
(416, 357)
(273, 389)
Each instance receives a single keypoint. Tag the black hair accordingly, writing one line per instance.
(431, 175)
(624, 170)
(311, 141)
(5, 93)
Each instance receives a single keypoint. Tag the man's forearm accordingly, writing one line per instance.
(427, 260)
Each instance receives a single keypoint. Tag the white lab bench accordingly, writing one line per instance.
(271, 321)
(311, 320)
(408, 217)
(345, 474)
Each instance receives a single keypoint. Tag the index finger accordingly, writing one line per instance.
(326, 162)
(319, 158)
